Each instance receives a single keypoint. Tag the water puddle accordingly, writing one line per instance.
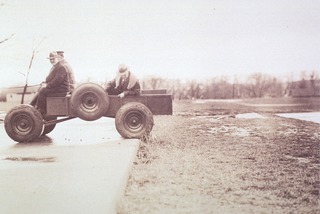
(307, 116)
(33, 159)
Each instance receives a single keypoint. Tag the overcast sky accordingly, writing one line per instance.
(184, 39)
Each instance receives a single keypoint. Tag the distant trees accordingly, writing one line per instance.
(153, 82)
(256, 85)
(222, 89)
(261, 85)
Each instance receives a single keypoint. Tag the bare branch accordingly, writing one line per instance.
(34, 51)
(6, 39)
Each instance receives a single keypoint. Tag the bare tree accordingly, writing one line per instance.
(259, 84)
(221, 88)
(194, 89)
(155, 82)
(178, 89)
(289, 84)
(313, 77)
(34, 51)
(276, 88)
(9, 37)
(152, 82)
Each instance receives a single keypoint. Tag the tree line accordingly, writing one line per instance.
(256, 85)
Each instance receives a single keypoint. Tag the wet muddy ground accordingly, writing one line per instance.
(206, 159)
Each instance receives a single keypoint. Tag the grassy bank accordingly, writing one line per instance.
(205, 160)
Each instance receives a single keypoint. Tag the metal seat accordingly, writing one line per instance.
(61, 94)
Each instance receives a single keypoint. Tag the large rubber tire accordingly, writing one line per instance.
(134, 120)
(49, 128)
(24, 123)
(89, 101)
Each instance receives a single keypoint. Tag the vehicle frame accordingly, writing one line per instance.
(89, 101)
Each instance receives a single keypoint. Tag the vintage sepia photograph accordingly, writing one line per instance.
(160, 107)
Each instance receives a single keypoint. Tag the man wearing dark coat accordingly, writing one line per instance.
(125, 83)
(56, 82)
(72, 80)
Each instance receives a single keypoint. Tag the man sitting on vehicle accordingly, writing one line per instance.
(56, 82)
(62, 60)
(125, 83)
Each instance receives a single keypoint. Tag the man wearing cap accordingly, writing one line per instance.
(56, 82)
(125, 83)
(69, 70)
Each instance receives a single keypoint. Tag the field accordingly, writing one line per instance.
(204, 159)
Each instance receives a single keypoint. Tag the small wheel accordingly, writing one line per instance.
(133, 120)
(49, 128)
(23, 123)
(89, 101)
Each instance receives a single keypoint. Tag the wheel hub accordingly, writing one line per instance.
(23, 123)
(134, 121)
(89, 101)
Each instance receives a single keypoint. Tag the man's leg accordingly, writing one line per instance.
(41, 103)
(34, 100)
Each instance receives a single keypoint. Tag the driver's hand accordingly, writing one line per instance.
(121, 95)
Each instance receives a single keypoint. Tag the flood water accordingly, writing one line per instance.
(307, 116)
